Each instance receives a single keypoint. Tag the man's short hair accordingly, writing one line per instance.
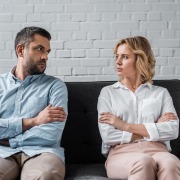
(26, 35)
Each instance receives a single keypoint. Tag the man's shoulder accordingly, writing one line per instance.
(52, 78)
(4, 75)
(54, 81)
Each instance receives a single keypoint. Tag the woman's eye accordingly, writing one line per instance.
(116, 57)
(125, 57)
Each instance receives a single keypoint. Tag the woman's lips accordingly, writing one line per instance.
(119, 69)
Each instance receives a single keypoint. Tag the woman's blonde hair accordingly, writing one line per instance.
(145, 61)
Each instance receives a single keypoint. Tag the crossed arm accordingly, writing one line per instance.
(139, 131)
(48, 115)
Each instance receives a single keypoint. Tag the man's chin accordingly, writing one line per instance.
(37, 72)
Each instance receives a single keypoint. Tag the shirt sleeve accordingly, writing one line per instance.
(109, 134)
(164, 131)
(46, 134)
(10, 127)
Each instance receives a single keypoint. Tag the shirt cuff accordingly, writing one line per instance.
(16, 141)
(152, 131)
(15, 126)
(126, 137)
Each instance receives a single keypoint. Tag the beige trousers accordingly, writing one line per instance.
(46, 166)
(142, 161)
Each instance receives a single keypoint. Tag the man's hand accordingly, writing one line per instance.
(167, 117)
(48, 115)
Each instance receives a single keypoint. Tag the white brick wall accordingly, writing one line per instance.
(84, 33)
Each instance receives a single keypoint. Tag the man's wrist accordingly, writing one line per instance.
(28, 123)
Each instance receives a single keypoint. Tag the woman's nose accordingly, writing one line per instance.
(118, 60)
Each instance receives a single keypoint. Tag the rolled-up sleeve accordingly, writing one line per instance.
(164, 131)
(10, 127)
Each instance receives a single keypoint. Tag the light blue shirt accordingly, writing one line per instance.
(25, 99)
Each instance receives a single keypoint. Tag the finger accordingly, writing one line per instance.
(103, 118)
(104, 121)
(172, 116)
(57, 108)
(57, 116)
(56, 111)
(58, 119)
(49, 106)
(105, 113)
(169, 113)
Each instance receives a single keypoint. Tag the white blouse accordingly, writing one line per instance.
(144, 106)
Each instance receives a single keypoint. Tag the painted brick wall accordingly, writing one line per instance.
(84, 33)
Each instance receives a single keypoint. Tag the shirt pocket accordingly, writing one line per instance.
(35, 105)
(150, 110)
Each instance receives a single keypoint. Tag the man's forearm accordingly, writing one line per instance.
(28, 123)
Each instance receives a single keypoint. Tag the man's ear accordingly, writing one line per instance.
(20, 50)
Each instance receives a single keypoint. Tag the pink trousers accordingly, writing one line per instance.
(142, 160)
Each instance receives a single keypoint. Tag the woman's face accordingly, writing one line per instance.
(125, 62)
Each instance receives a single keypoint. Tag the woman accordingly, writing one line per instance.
(137, 119)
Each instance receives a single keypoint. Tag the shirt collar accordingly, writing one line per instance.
(28, 79)
(118, 84)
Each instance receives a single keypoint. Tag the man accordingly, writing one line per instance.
(33, 108)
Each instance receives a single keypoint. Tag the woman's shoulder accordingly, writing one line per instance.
(110, 87)
(156, 87)
(159, 89)
(107, 90)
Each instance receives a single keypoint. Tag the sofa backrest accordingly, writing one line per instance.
(81, 138)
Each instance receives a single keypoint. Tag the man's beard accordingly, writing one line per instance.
(33, 68)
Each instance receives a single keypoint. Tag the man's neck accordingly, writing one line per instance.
(20, 73)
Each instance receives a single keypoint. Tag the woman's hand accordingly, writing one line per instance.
(167, 117)
(113, 120)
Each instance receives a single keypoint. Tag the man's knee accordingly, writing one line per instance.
(44, 175)
(9, 169)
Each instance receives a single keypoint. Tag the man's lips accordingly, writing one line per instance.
(42, 65)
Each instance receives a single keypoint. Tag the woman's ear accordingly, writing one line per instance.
(20, 50)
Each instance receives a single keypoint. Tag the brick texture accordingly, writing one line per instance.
(84, 33)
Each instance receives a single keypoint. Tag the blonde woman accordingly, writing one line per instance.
(137, 120)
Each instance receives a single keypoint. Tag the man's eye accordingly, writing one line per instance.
(116, 57)
(40, 49)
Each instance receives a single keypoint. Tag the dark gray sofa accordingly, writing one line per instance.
(81, 138)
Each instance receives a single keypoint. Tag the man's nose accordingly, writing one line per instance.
(44, 56)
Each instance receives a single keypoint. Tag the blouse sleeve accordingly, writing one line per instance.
(164, 131)
(109, 134)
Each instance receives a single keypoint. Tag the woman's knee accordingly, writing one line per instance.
(144, 163)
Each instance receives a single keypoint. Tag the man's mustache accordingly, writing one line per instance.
(41, 61)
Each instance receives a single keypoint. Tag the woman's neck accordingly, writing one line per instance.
(131, 84)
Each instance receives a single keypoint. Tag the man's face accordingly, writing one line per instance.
(36, 55)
